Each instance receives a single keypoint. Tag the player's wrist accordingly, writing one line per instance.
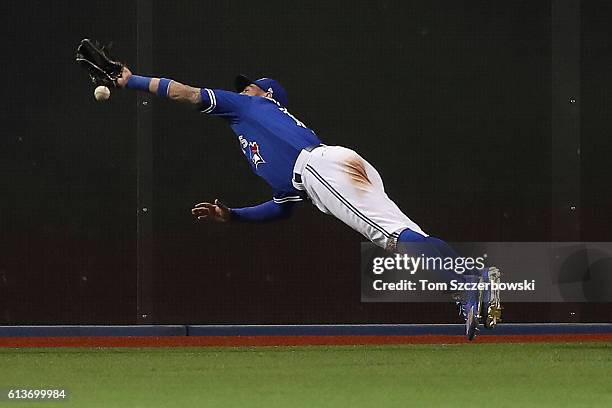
(163, 87)
(138, 82)
(121, 82)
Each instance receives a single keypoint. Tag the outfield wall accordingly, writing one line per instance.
(488, 122)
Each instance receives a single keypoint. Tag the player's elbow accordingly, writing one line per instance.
(194, 97)
(183, 93)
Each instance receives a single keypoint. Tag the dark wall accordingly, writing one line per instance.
(450, 101)
(596, 121)
(67, 225)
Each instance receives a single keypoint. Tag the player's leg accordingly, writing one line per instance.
(341, 183)
(433, 245)
(474, 306)
(470, 302)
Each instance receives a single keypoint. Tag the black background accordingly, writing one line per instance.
(449, 100)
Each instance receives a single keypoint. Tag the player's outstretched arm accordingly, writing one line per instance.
(162, 87)
(219, 212)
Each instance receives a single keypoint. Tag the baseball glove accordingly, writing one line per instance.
(101, 68)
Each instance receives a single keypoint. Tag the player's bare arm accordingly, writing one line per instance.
(184, 93)
(176, 91)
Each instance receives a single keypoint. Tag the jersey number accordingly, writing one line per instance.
(297, 121)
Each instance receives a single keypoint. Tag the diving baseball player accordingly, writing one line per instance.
(291, 158)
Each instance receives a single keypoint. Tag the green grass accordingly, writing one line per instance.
(495, 375)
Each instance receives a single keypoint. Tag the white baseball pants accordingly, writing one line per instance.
(342, 183)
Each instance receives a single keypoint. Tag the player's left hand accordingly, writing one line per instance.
(125, 76)
(95, 59)
(218, 211)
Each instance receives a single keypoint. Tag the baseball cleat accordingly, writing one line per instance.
(491, 301)
(469, 303)
(471, 323)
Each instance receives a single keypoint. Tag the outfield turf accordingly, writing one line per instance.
(493, 375)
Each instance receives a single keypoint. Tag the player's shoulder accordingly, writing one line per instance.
(231, 98)
(228, 94)
(265, 101)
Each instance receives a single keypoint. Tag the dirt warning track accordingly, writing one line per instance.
(238, 341)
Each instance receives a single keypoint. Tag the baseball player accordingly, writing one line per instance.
(291, 158)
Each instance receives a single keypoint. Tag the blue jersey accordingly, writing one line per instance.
(270, 137)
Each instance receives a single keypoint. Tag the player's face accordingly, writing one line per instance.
(253, 90)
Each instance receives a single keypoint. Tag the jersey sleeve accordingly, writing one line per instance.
(281, 197)
(222, 103)
(268, 211)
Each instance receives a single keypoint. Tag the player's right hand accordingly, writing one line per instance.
(212, 212)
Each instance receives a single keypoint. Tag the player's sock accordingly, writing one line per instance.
(412, 242)
(443, 248)
(437, 245)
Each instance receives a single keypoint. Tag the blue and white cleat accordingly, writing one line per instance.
(491, 301)
(481, 304)
(471, 323)
(469, 303)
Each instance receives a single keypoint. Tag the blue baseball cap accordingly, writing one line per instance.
(266, 84)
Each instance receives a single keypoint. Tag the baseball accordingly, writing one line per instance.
(101, 93)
